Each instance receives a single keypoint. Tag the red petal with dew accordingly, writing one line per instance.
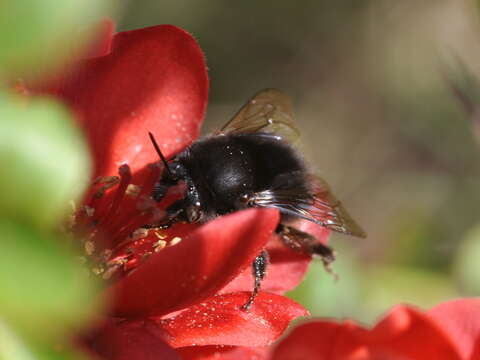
(404, 333)
(154, 79)
(223, 353)
(131, 342)
(197, 267)
(220, 320)
(286, 268)
(461, 320)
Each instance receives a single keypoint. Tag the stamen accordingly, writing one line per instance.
(139, 234)
(110, 271)
(174, 241)
(133, 190)
(112, 221)
(160, 234)
(108, 181)
(125, 178)
(89, 247)
(159, 245)
(89, 211)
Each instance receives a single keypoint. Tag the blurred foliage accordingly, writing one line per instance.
(14, 347)
(380, 123)
(37, 35)
(42, 284)
(45, 293)
(466, 265)
(46, 158)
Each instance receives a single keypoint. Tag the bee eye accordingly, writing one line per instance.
(193, 212)
(245, 200)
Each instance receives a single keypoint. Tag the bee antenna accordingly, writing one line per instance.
(159, 152)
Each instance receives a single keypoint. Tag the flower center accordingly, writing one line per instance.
(112, 222)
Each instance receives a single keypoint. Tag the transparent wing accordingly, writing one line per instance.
(316, 204)
(270, 112)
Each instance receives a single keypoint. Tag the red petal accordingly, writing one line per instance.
(223, 353)
(320, 340)
(461, 320)
(154, 79)
(404, 334)
(197, 267)
(285, 270)
(221, 321)
(131, 342)
(412, 334)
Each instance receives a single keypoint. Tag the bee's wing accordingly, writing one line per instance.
(269, 111)
(316, 204)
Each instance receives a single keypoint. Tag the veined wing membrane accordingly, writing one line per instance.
(322, 207)
(270, 112)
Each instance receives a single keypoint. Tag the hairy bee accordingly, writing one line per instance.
(252, 162)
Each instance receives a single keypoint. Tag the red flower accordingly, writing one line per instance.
(449, 331)
(185, 286)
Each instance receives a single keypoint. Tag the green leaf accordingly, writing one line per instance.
(44, 289)
(44, 160)
(37, 35)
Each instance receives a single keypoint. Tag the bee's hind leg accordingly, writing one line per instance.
(259, 267)
(304, 243)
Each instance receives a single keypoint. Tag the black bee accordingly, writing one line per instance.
(252, 162)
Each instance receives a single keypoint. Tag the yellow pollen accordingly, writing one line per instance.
(98, 270)
(140, 233)
(89, 247)
(106, 254)
(133, 190)
(146, 255)
(73, 206)
(159, 245)
(110, 271)
(160, 234)
(89, 210)
(175, 241)
(72, 218)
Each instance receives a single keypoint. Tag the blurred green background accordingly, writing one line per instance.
(379, 124)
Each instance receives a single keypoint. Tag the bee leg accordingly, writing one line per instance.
(159, 190)
(305, 243)
(259, 267)
(161, 187)
(174, 213)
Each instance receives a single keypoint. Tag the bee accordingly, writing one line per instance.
(252, 162)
